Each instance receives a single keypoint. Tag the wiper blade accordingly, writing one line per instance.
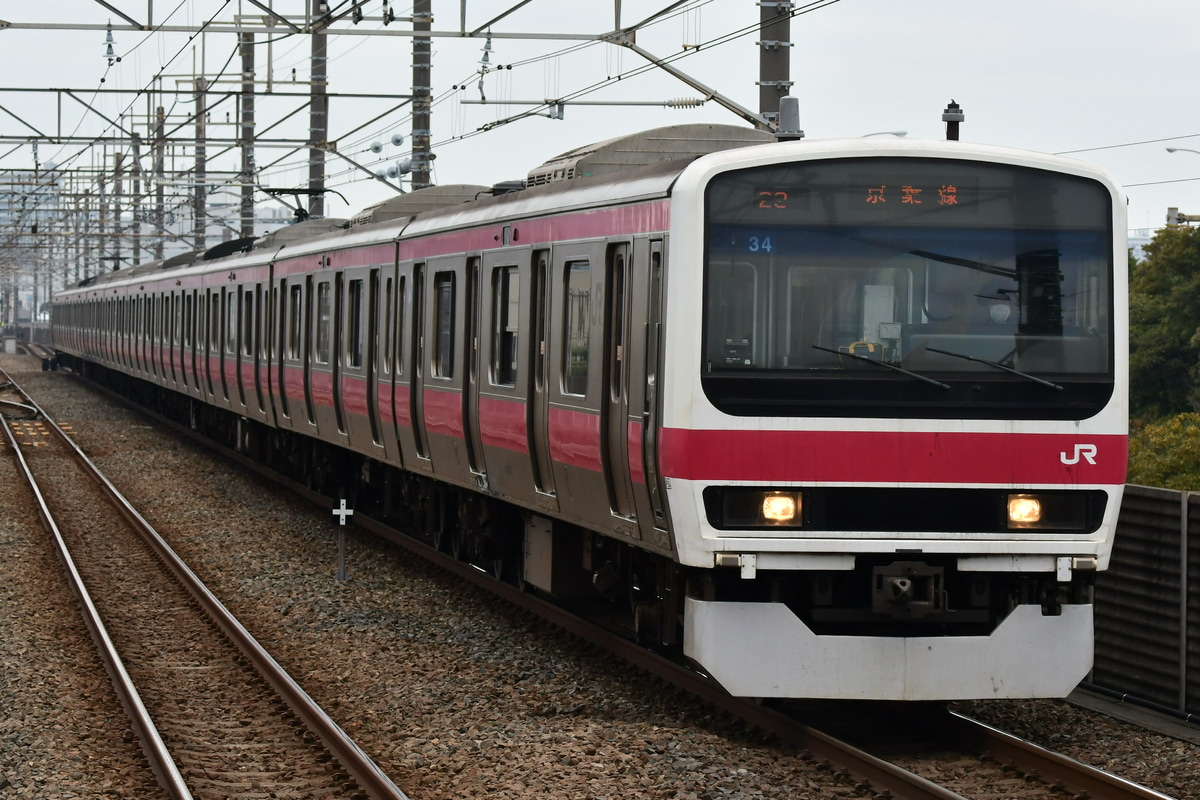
(885, 365)
(966, 262)
(997, 365)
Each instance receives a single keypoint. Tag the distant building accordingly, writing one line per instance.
(1138, 239)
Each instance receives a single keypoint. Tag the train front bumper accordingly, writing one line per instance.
(764, 650)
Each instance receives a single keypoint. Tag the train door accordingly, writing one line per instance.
(281, 391)
(197, 343)
(340, 342)
(417, 364)
(648, 493)
(505, 385)
(259, 343)
(384, 365)
(614, 422)
(371, 356)
(212, 338)
(243, 345)
(538, 407)
(305, 325)
(231, 359)
(353, 390)
(444, 367)
(470, 395)
(403, 366)
(576, 398)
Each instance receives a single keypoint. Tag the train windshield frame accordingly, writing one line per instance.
(908, 287)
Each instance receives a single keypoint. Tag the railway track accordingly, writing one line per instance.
(214, 715)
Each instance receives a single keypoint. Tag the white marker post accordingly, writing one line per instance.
(341, 513)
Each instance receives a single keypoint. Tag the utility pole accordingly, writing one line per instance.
(160, 143)
(422, 93)
(118, 190)
(246, 137)
(318, 125)
(201, 175)
(136, 146)
(774, 60)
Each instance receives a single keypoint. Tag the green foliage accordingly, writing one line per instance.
(1166, 453)
(1164, 317)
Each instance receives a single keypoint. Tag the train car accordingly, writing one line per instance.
(833, 419)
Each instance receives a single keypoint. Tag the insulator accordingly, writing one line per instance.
(685, 102)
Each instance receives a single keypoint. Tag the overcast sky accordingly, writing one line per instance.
(1108, 82)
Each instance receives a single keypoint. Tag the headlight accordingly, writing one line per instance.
(1023, 510)
(1048, 511)
(739, 508)
(780, 509)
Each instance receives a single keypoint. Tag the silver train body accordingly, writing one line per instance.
(839, 419)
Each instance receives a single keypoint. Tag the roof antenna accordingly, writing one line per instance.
(952, 116)
(789, 119)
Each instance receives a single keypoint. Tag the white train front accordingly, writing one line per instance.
(838, 419)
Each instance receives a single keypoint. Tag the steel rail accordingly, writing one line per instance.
(153, 747)
(1049, 766)
(370, 778)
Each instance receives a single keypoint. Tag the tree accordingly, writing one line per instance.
(1164, 326)
(1163, 453)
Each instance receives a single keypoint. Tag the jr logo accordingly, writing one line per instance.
(1088, 451)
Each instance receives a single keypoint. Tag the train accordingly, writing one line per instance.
(840, 419)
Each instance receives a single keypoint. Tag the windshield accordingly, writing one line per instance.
(909, 271)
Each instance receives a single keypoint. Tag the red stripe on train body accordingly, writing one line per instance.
(895, 458)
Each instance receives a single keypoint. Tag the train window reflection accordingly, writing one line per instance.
(443, 325)
(324, 322)
(577, 320)
(506, 294)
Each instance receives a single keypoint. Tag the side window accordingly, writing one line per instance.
(577, 318)
(232, 299)
(246, 299)
(389, 309)
(354, 344)
(398, 328)
(324, 322)
(443, 325)
(295, 306)
(506, 298)
(214, 322)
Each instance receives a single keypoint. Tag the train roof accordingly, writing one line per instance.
(656, 146)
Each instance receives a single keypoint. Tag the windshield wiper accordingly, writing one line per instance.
(966, 262)
(884, 364)
(997, 365)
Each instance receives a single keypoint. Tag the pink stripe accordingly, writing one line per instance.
(354, 396)
(383, 399)
(502, 424)
(322, 387)
(864, 457)
(634, 439)
(575, 438)
(622, 220)
(443, 412)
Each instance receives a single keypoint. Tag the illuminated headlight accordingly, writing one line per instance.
(1048, 511)
(1023, 511)
(732, 508)
(780, 509)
